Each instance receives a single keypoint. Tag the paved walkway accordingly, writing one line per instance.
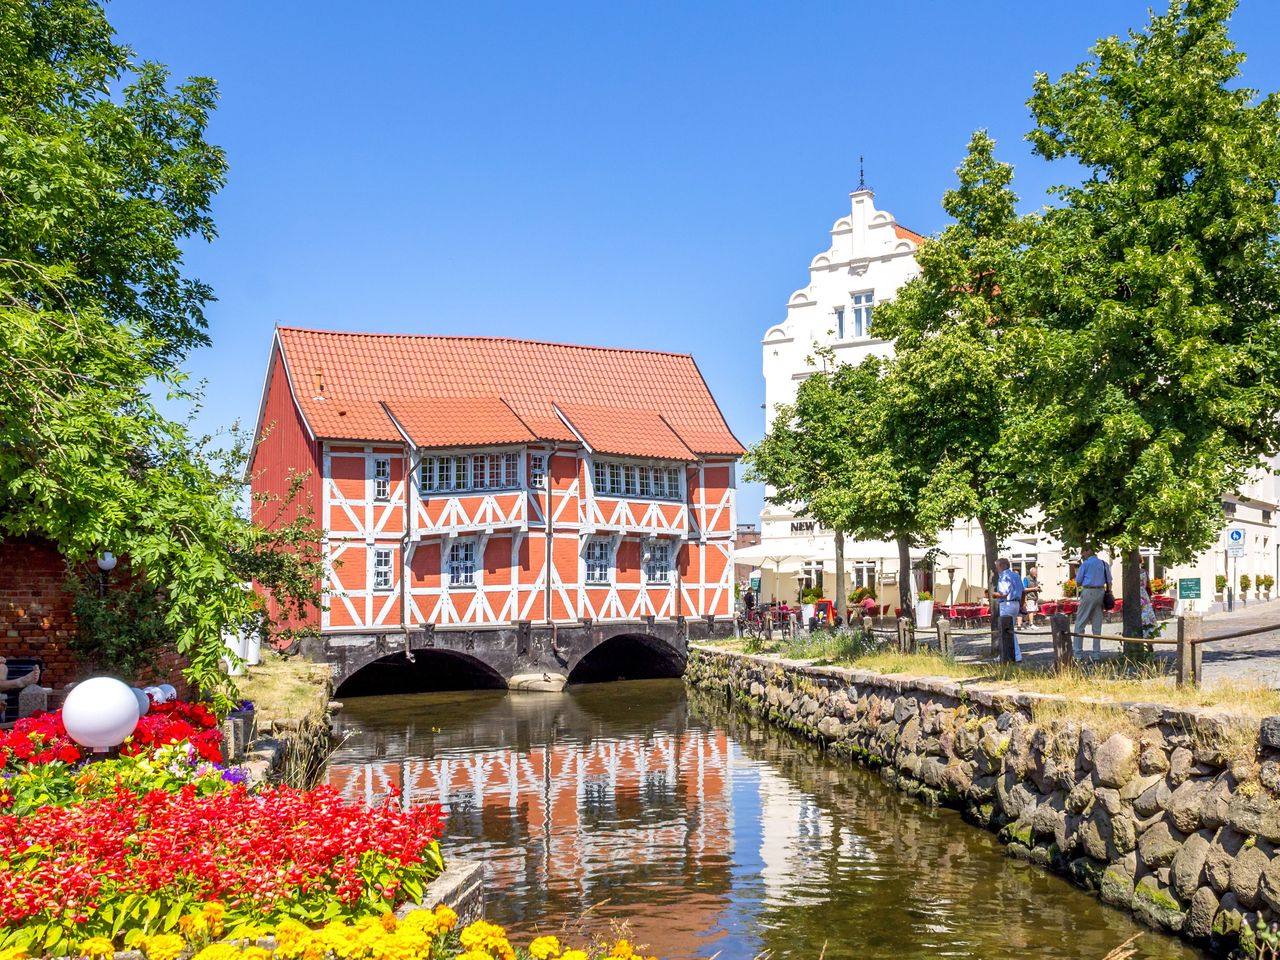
(1255, 658)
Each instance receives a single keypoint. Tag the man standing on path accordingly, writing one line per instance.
(1094, 577)
(1009, 592)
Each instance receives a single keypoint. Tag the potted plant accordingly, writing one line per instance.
(1265, 583)
(1070, 588)
(1246, 582)
(809, 603)
(1158, 585)
(1220, 586)
(924, 609)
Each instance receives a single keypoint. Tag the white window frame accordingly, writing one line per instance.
(454, 473)
(462, 568)
(537, 470)
(383, 573)
(657, 563)
(600, 477)
(864, 302)
(863, 574)
(673, 483)
(598, 557)
(839, 311)
(382, 478)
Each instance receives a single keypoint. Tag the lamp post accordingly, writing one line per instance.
(951, 584)
(106, 563)
(100, 713)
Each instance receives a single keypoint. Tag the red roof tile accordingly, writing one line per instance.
(625, 430)
(340, 380)
(438, 421)
(905, 234)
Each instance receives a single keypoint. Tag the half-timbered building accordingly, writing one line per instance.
(473, 482)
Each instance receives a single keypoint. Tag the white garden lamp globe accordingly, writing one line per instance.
(100, 713)
(170, 692)
(107, 562)
(144, 702)
(155, 693)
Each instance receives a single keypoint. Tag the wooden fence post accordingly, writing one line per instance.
(1063, 650)
(867, 624)
(945, 647)
(1188, 664)
(906, 636)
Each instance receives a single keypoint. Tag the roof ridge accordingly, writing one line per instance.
(446, 336)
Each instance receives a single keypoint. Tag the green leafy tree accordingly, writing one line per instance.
(1154, 345)
(952, 396)
(97, 193)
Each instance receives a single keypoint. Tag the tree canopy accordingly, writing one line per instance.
(106, 172)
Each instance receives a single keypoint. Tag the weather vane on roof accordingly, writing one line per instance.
(862, 177)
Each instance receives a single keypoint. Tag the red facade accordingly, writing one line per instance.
(470, 481)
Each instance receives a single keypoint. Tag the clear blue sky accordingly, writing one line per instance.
(651, 175)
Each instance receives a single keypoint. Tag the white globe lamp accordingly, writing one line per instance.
(144, 702)
(170, 692)
(155, 693)
(100, 713)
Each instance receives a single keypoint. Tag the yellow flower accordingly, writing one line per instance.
(218, 951)
(192, 924)
(623, 950)
(164, 946)
(423, 920)
(213, 913)
(574, 955)
(14, 953)
(389, 922)
(255, 953)
(544, 948)
(474, 955)
(446, 917)
(96, 947)
(293, 940)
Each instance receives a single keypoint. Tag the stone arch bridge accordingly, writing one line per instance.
(521, 656)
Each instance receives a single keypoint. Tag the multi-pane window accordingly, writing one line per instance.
(657, 565)
(381, 478)
(382, 569)
(862, 304)
(839, 323)
(599, 561)
(462, 563)
(864, 573)
(537, 470)
(630, 480)
(480, 471)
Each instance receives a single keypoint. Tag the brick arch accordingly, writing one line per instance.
(631, 655)
(421, 671)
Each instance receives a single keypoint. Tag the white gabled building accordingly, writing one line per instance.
(871, 255)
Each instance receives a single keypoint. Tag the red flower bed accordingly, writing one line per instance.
(43, 738)
(281, 853)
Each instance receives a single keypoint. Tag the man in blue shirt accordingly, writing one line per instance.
(1009, 593)
(1093, 578)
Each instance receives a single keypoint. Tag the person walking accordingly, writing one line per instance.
(1030, 596)
(1009, 592)
(1148, 610)
(1094, 578)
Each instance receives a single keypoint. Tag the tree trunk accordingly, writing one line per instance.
(908, 599)
(842, 598)
(990, 549)
(1131, 615)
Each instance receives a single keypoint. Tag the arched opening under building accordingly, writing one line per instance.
(629, 656)
(428, 672)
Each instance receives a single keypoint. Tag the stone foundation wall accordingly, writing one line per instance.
(1176, 820)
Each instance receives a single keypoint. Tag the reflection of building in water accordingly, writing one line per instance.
(575, 812)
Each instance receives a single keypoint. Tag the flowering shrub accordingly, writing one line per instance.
(167, 768)
(421, 935)
(43, 739)
(130, 862)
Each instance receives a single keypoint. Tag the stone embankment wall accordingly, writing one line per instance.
(1177, 821)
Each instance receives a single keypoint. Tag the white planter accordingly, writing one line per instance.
(924, 613)
(808, 610)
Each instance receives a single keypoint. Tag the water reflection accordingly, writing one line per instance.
(633, 802)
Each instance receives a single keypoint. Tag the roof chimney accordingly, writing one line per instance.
(319, 378)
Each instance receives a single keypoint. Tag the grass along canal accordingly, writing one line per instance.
(710, 833)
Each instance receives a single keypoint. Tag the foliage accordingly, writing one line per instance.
(1266, 581)
(951, 400)
(811, 595)
(829, 646)
(124, 862)
(59, 783)
(106, 175)
(1151, 337)
(862, 593)
(1220, 582)
(924, 595)
(1070, 588)
(1245, 582)
(1159, 585)
(120, 620)
(43, 739)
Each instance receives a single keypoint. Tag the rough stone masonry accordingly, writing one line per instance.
(1179, 823)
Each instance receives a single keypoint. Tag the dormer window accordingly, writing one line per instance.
(480, 471)
(614, 479)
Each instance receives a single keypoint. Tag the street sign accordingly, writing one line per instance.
(1235, 551)
(1235, 541)
(1189, 588)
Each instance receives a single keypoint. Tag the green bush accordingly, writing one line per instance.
(1220, 582)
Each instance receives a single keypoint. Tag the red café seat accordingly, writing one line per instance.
(984, 611)
(1049, 608)
(897, 611)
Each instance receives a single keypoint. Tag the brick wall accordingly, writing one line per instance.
(36, 618)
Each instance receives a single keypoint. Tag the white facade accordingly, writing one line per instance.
(870, 257)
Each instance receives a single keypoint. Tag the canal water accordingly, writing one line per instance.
(642, 803)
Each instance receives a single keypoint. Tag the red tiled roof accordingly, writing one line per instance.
(437, 421)
(341, 379)
(905, 234)
(625, 430)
